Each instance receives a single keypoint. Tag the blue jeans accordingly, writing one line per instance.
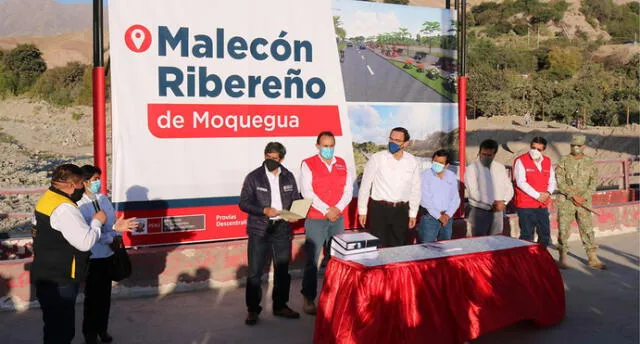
(534, 218)
(431, 229)
(318, 236)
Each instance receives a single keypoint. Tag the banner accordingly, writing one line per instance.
(199, 87)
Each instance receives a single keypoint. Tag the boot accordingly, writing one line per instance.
(594, 262)
(309, 306)
(562, 260)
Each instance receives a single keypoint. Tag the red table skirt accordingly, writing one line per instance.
(443, 300)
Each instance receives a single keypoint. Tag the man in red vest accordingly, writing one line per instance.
(325, 179)
(535, 181)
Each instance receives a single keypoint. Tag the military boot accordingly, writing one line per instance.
(594, 262)
(562, 260)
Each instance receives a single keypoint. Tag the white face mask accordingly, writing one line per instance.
(535, 154)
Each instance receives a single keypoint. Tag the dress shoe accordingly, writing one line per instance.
(252, 319)
(286, 312)
(309, 307)
(105, 337)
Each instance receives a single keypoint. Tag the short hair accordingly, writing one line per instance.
(404, 131)
(441, 153)
(64, 173)
(325, 133)
(489, 144)
(541, 140)
(275, 147)
(89, 170)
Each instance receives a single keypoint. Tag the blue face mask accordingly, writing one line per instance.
(326, 152)
(394, 147)
(437, 167)
(95, 185)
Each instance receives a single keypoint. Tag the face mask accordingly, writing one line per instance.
(394, 147)
(77, 194)
(437, 167)
(486, 162)
(326, 152)
(535, 154)
(94, 187)
(271, 164)
(576, 150)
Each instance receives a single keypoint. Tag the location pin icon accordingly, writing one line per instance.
(138, 37)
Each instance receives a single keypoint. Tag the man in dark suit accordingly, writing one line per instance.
(265, 192)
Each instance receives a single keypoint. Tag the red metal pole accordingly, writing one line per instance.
(100, 126)
(99, 118)
(462, 124)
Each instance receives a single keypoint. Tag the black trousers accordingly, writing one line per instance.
(97, 301)
(277, 240)
(58, 304)
(389, 223)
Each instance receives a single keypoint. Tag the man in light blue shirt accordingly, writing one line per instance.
(440, 197)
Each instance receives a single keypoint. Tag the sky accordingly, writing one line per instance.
(373, 122)
(363, 18)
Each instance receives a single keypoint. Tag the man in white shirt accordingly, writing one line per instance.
(392, 179)
(535, 181)
(325, 179)
(489, 189)
(61, 243)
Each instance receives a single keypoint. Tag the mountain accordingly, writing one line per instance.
(42, 17)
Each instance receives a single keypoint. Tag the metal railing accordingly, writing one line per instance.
(625, 175)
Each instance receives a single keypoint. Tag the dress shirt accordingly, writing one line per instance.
(67, 219)
(101, 249)
(487, 185)
(386, 178)
(274, 185)
(520, 176)
(306, 181)
(440, 194)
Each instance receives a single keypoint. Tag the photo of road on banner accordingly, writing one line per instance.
(431, 126)
(396, 53)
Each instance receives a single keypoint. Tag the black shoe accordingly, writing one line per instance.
(286, 312)
(105, 337)
(252, 319)
(94, 340)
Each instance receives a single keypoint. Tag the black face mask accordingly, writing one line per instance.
(77, 194)
(271, 164)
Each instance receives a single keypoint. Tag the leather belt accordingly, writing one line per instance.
(392, 204)
(275, 222)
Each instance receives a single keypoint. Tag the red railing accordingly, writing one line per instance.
(625, 174)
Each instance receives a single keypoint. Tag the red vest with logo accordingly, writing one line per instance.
(328, 186)
(538, 179)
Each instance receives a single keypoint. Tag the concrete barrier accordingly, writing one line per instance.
(168, 269)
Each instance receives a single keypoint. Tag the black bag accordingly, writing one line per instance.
(120, 267)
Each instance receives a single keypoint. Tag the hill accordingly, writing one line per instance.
(42, 17)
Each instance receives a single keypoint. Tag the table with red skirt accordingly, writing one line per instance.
(446, 292)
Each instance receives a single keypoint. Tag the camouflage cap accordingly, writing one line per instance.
(578, 140)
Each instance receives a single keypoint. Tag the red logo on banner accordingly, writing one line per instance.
(209, 120)
(137, 38)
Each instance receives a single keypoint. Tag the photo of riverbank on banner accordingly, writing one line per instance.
(431, 126)
(395, 53)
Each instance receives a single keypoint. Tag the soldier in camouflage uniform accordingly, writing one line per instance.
(577, 178)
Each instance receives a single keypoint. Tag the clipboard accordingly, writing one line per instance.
(298, 211)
